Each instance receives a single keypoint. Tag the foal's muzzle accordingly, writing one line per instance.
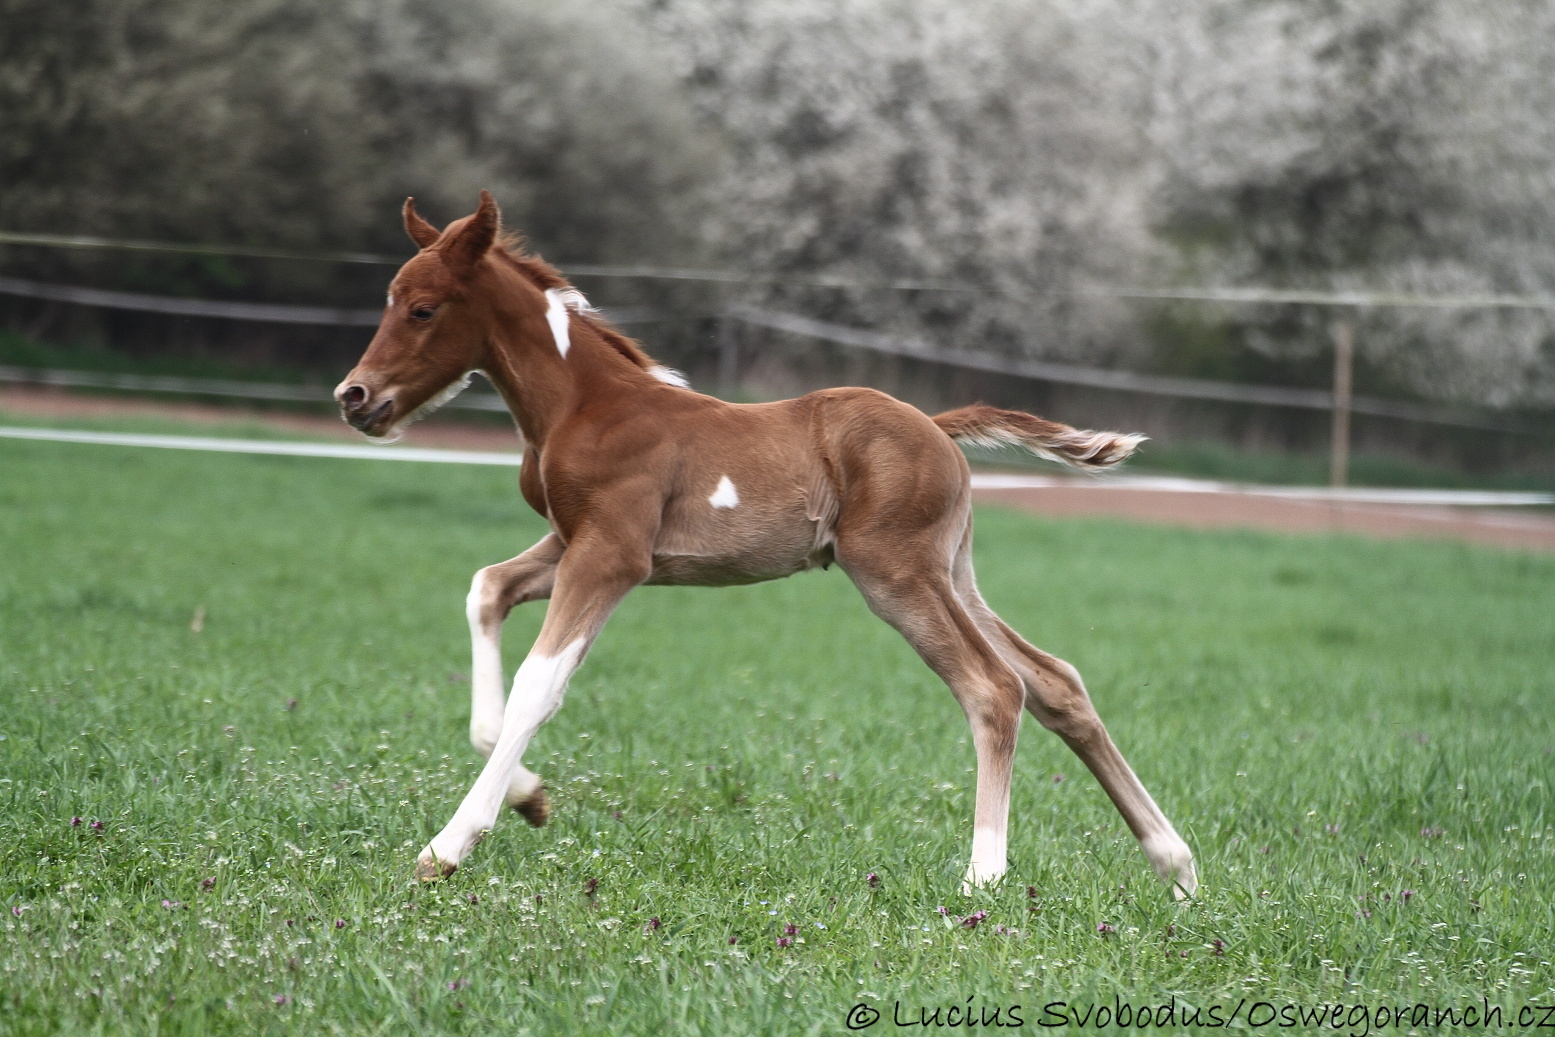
(360, 410)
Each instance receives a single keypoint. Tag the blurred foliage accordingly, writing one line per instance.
(1037, 151)
(302, 125)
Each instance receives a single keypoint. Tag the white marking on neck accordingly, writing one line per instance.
(669, 376)
(391, 300)
(557, 300)
(725, 496)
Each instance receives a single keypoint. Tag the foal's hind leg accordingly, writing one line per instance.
(1057, 698)
(494, 592)
(909, 587)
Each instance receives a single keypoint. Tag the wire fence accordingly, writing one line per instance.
(790, 323)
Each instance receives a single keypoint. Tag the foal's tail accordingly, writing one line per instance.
(992, 427)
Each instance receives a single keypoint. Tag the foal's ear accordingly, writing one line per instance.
(420, 231)
(472, 241)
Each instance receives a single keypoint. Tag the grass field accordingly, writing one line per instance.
(1354, 736)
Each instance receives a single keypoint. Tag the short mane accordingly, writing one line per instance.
(544, 276)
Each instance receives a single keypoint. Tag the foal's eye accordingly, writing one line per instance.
(423, 313)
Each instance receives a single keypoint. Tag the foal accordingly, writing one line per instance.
(644, 481)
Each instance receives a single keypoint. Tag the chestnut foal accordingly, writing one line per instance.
(644, 481)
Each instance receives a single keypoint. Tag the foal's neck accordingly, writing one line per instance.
(540, 386)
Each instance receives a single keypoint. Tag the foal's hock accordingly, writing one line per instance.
(645, 481)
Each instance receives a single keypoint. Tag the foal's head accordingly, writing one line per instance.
(431, 336)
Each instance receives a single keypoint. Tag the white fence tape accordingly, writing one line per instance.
(980, 481)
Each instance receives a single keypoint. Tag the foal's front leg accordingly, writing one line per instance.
(494, 592)
(591, 579)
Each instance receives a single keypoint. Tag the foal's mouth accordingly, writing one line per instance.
(369, 422)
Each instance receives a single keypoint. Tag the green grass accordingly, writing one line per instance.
(1311, 712)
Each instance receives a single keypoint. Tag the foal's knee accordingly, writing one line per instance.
(484, 606)
(475, 601)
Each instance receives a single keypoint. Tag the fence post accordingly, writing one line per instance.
(1339, 443)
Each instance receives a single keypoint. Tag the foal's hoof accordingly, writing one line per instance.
(430, 869)
(537, 808)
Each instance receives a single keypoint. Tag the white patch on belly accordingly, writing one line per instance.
(556, 315)
(725, 496)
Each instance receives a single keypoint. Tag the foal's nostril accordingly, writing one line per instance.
(353, 396)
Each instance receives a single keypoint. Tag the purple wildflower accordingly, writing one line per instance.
(75, 822)
(97, 826)
(171, 904)
(783, 941)
(1104, 929)
(458, 984)
(1404, 896)
(733, 940)
(1332, 829)
(472, 898)
(590, 886)
(942, 910)
(872, 879)
(1220, 947)
(974, 919)
(1431, 832)
(18, 909)
(282, 999)
(653, 925)
(340, 923)
(207, 884)
(790, 929)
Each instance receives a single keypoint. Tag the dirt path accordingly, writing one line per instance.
(1529, 529)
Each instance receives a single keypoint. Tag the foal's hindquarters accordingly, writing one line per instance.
(905, 538)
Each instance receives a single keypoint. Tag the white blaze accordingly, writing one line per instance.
(725, 496)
